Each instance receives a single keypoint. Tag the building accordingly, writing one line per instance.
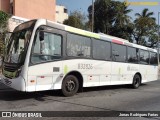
(23, 10)
(30, 9)
(35, 9)
(14, 21)
(5, 5)
(61, 13)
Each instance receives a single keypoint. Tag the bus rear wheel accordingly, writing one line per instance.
(136, 81)
(70, 85)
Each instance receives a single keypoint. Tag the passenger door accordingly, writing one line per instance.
(46, 52)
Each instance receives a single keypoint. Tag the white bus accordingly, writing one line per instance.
(43, 55)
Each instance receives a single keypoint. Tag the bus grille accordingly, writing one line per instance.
(10, 67)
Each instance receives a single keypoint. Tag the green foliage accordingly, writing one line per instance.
(3, 29)
(76, 19)
(3, 21)
(152, 35)
(111, 18)
(103, 15)
(145, 26)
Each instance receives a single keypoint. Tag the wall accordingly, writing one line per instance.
(33, 9)
(5, 5)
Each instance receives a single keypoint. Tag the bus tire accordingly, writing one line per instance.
(70, 85)
(136, 81)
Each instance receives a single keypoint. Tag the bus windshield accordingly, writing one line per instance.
(18, 44)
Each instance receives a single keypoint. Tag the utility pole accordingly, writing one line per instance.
(158, 35)
(92, 29)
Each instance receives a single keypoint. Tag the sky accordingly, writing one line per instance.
(82, 5)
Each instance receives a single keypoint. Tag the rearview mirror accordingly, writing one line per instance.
(41, 35)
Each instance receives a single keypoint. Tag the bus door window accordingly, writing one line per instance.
(47, 47)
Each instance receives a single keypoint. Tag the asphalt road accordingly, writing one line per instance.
(108, 98)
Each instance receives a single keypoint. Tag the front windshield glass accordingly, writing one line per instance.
(17, 46)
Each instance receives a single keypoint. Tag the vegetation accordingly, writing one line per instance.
(112, 17)
(145, 27)
(76, 19)
(3, 29)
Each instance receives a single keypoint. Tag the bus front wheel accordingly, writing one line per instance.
(136, 81)
(70, 85)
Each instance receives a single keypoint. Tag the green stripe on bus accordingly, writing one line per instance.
(82, 32)
(65, 69)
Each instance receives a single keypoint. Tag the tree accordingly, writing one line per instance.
(3, 28)
(125, 32)
(145, 25)
(111, 18)
(76, 19)
(153, 36)
(123, 26)
(103, 15)
(122, 18)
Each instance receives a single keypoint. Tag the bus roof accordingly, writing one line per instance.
(96, 35)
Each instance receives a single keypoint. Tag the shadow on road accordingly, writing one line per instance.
(110, 87)
(13, 95)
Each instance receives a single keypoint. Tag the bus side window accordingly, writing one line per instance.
(119, 53)
(132, 55)
(144, 57)
(153, 58)
(98, 47)
(78, 46)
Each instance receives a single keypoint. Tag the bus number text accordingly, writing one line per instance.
(85, 66)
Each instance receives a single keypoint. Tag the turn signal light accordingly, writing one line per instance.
(32, 81)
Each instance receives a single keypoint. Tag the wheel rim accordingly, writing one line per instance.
(70, 85)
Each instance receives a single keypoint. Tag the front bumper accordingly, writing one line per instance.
(16, 83)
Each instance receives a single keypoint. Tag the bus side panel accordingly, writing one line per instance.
(45, 76)
(105, 77)
(144, 70)
(152, 73)
(131, 70)
(94, 72)
(85, 68)
(123, 73)
(119, 73)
